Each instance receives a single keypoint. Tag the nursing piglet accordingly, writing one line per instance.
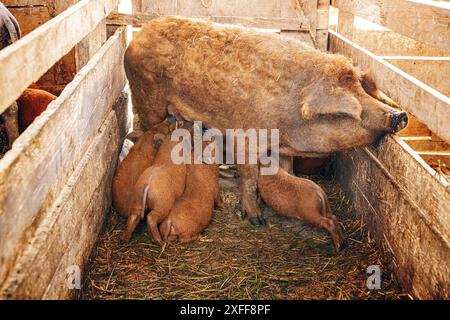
(140, 157)
(301, 199)
(156, 190)
(192, 213)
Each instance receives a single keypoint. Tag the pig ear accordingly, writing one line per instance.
(368, 83)
(370, 87)
(321, 98)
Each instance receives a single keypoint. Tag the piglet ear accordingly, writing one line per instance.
(134, 135)
(158, 140)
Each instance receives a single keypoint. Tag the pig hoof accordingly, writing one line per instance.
(258, 221)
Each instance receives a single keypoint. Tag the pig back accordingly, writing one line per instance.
(202, 181)
(193, 211)
(140, 157)
(218, 74)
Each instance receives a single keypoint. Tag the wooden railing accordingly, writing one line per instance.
(426, 23)
(29, 58)
(400, 186)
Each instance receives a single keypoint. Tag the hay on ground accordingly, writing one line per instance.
(234, 260)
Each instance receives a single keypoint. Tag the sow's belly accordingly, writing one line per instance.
(222, 116)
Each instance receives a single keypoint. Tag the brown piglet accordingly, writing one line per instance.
(139, 158)
(192, 213)
(301, 199)
(157, 189)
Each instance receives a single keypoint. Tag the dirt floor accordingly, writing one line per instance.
(234, 260)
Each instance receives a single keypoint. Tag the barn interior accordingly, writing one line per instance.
(392, 198)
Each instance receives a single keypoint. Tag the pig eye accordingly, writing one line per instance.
(335, 116)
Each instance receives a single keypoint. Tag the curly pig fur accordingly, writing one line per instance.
(233, 77)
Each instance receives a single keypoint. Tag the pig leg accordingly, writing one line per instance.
(149, 101)
(249, 195)
(287, 164)
(334, 230)
(218, 202)
(152, 225)
(133, 221)
(165, 229)
(135, 215)
(339, 231)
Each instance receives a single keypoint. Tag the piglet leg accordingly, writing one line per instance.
(152, 225)
(334, 230)
(165, 229)
(135, 215)
(132, 223)
(341, 236)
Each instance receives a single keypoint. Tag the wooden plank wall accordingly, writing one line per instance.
(423, 21)
(411, 94)
(231, 8)
(55, 182)
(403, 201)
(47, 45)
(33, 13)
(407, 210)
(429, 70)
(278, 14)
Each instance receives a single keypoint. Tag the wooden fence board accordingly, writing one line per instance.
(424, 21)
(429, 105)
(41, 160)
(46, 45)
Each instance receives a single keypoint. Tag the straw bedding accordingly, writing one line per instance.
(234, 260)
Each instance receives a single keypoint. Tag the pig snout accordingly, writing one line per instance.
(399, 121)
